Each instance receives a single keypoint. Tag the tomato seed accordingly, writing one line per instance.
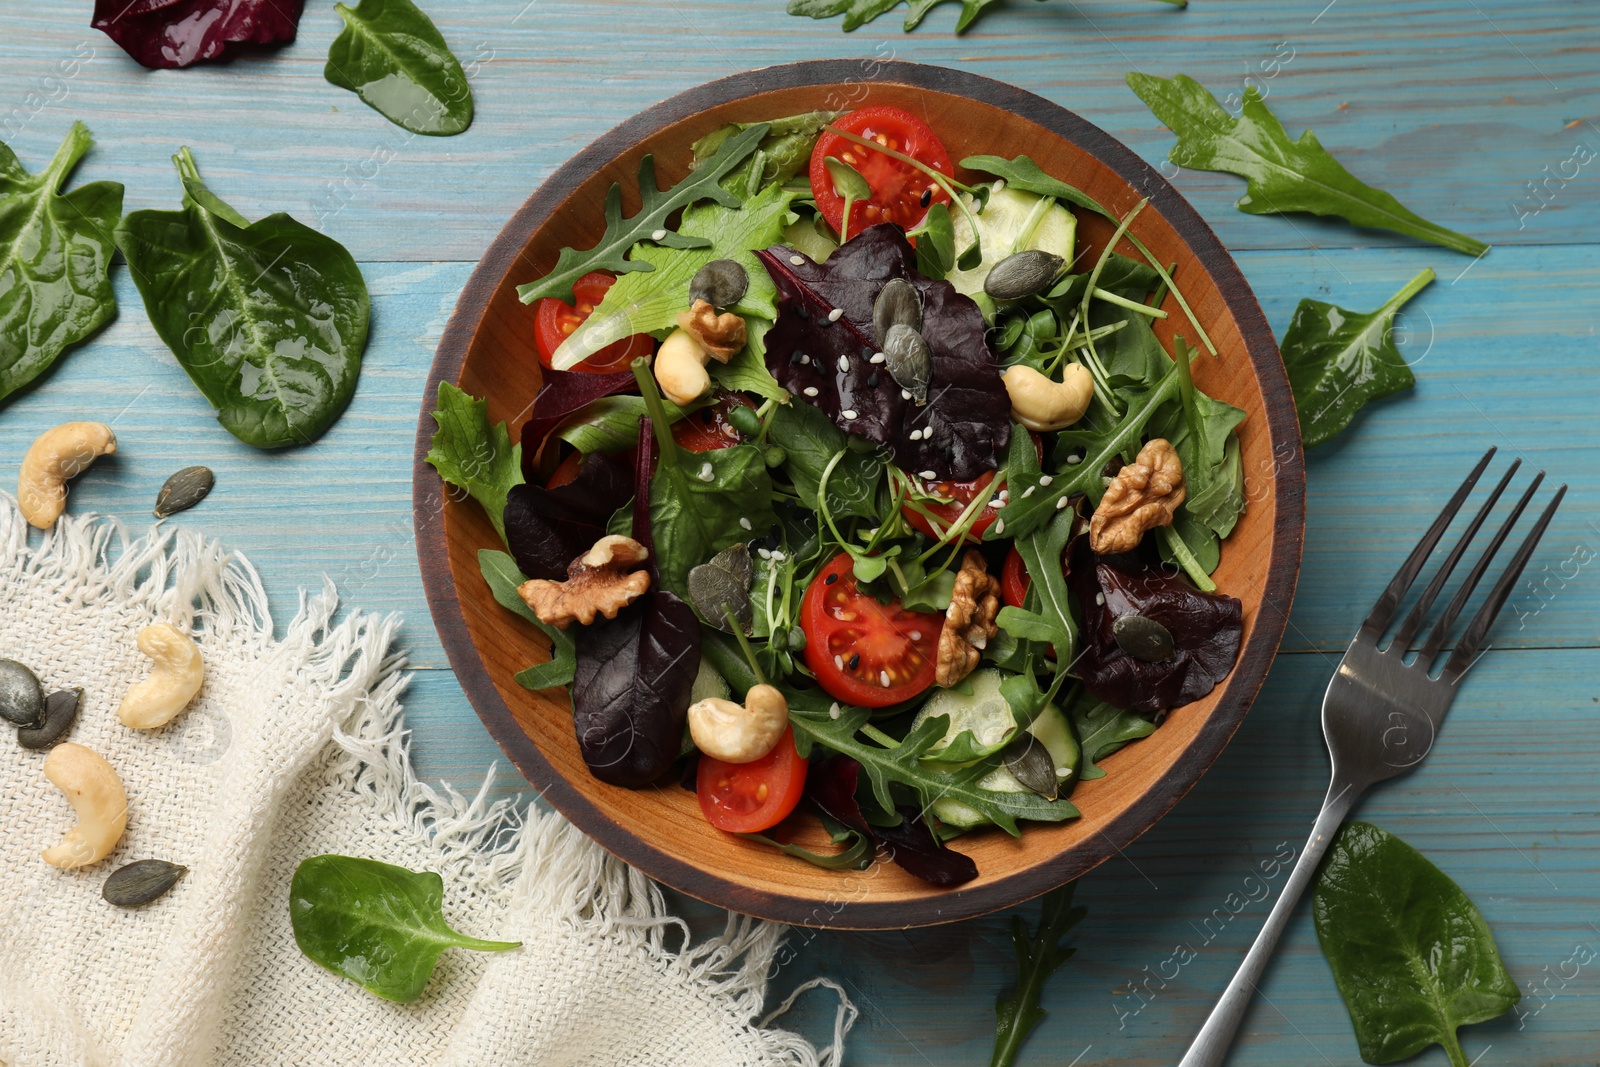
(761, 792)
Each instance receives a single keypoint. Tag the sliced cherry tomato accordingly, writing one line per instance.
(744, 798)
(863, 652)
(961, 494)
(566, 471)
(555, 320)
(898, 189)
(708, 428)
(1014, 579)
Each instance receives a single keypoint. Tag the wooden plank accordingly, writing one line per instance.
(1454, 109)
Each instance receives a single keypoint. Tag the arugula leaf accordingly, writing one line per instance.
(269, 318)
(858, 13)
(502, 576)
(470, 454)
(1283, 175)
(1103, 729)
(55, 260)
(1042, 551)
(811, 441)
(697, 502)
(379, 925)
(784, 152)
(1039, 955)
(1338, 360)
(648, 301)
(1410, 953)
(395, 59)
(656, 207)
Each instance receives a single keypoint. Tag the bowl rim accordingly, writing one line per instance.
(940, 905)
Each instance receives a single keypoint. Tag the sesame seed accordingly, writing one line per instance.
(916, 435)
(834, 710)
(810, 390)
(927, 196)
(1073, 461)
(764, 553)
(847, 413)
(707, 472)
(844, 363)
(659, 235)
(830, 579)
(1061, 503)
(1045, 479)
(778, 557)
(744, 523)
(838, 661)
(877, 357)
(905, 394)
(872, 380)
(883, 678)
(855, 661)
(836, 314)
(999, 526)
(930, 475)
(999, 185)
(1099, 600)
(805, 360)
(1026, 493)
(798, 261)
(997, 503)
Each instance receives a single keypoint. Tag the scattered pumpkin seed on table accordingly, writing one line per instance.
(60, 712)
(184, 490)
(141, 882)
(21, 696)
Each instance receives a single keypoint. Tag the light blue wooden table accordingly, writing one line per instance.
(1470, 112)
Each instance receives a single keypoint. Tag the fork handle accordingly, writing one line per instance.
(1211, 1045)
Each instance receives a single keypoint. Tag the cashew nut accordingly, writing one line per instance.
(174, 679)
(95, 792)
(1042, 404)
(739, 734)
(681, 368)
(54, 457)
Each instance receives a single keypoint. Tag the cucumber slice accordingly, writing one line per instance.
(981, 722)
(1055, 734)
(1010, 217)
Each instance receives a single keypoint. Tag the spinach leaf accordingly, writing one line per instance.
(502, 576)
(55, 260)
(1103, 729)
(811, 441)
(1039, 955)
(1283, 175)
(656, 207)
(1413, 958)
(376, 924)
(392, 56)
(1338, 360)
(176, 33)
(269, 318)
(784, 152)
(700, 503)
(471, 454)
(648, 301)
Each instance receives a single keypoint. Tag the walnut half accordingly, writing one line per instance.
(1144, 496)
(602, 581)
(969, 623)
(721, 335)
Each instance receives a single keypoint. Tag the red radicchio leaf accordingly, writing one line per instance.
(831, 785)
(177, 33)
(1205, 630)
(644, 467)
(546, 529)
(965, 427)
(562, 393)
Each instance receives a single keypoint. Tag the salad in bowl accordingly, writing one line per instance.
(858, 492)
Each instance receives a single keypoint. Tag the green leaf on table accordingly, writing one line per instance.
(784, 152)
(650, 301)
(392, 56)
(55, 260)
(472, 454)
(656, 207)
(1039, 955)
(268, 318)
(858, 13)
(1283, 175)
(379, 925)
(1338, 360)
(697, 502)
(1410, 953)
(1102, 730)
(811, 441)
(500, 573)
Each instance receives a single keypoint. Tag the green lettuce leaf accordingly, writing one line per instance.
(473, 455)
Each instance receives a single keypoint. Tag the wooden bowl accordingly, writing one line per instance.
(488, 350)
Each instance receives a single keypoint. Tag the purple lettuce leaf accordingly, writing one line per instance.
(177, 33)
(1205, 628)
(546, 529)
(561, 394)
(831, 786)
(967, 419)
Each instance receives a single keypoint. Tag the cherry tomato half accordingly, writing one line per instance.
(863, 652)
(1014, 579)
(566, 471)
(708, 428)
(744, 798)
(898, 188)
(961, 494)
(555, 320)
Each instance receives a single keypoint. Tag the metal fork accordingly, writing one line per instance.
(1381, 713)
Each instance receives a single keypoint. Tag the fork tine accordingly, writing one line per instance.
(1419, 613)
(1441, 629)
(1383, 611)
(1467, 648)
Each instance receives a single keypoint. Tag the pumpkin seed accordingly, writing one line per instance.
(141, 882)
(909, 360)
(1023, 274)
(720, 283)
(60, 712)
(723, 585)
(21, 696)
(1029, 762)
(1143, 639)
(184, 490)
(898, 303)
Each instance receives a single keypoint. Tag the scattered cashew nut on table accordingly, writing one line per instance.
(175, 676)
(55, 457)
(92, 787)
(735, 733)
(1042, 404)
